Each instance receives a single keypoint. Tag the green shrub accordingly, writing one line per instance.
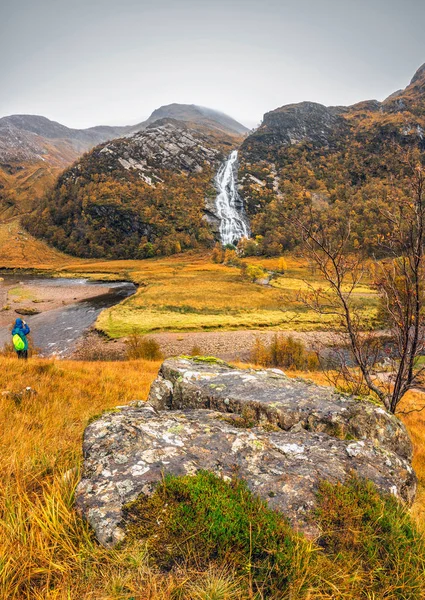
(369, 546)
(139, 346)
(254, 272)
(283, 352)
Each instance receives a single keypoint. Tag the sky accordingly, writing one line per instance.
(112, 62)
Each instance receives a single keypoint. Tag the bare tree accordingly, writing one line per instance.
(399, 281)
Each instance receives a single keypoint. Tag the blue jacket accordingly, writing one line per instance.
(22, 330)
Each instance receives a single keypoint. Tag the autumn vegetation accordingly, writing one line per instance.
(337, 244)
(236, 547)
(102, 216)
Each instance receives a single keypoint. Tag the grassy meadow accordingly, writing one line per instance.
(48, 553)
(186, 292)
(190, 293)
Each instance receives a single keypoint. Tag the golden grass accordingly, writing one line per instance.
(185, 292)
(18, 249)
(189, 293)
(46, 551)
(415, 423)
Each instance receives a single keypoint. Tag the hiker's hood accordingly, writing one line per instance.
(18, 327)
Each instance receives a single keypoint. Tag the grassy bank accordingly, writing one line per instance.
(48, 553)
(190, 293)
(185, 292)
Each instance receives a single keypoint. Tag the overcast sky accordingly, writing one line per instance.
(91, 62)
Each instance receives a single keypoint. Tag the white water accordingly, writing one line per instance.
(233, 222)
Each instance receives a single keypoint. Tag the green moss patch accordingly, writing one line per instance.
(369, 546)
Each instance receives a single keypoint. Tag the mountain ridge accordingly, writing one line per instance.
(23, 136)
(34, 149)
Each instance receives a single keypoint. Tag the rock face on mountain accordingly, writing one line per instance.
(282, 436)
(297, 123)
(166, 144)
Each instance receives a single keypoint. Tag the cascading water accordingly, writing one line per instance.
(230, 211)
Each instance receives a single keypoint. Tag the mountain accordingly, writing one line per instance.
(335, 158)
(33, 138)
(196, 116)
(151, 192)
(137, 196)
(34, 149)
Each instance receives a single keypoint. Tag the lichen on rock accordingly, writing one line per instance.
(282, 436)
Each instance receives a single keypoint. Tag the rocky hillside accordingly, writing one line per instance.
(308, 153)
(34, 149)
(136, 196)
(33, 138)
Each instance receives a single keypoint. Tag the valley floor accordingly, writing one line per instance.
(187, 292)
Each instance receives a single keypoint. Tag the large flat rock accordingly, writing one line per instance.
(275, 398)
(126, 452)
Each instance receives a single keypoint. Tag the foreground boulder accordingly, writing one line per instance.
(270, 396)
(282, 436)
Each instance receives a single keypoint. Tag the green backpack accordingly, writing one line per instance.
(18, 342)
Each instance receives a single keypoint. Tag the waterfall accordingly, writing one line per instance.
(230, 210)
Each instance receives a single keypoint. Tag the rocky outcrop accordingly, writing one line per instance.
(282, 436)
(276, 399)
(165, 144)
(294, 124)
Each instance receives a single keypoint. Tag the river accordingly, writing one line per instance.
(56, 331)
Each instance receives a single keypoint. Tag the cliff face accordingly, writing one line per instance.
(282, 436)
(295, 124)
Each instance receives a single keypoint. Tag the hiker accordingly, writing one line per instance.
(19, 338)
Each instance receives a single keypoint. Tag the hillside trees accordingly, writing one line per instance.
(399, 279)
(100, 215)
